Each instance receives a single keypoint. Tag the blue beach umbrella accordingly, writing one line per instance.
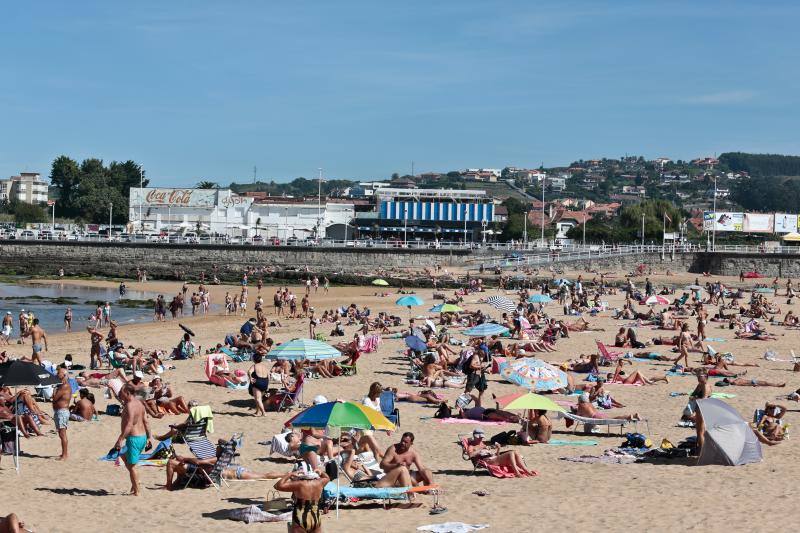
(303, 349)
(540, 299)
(486, 330)
(562, 281)
(409, 301)
(415, 343)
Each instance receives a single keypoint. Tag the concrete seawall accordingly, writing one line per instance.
(168, 261)
(112, 259)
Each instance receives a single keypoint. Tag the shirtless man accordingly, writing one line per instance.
(404, 454)
(306, 489)
(61, 398)
(135, 432)
(38, 337)
(8, 326)
(744, 382)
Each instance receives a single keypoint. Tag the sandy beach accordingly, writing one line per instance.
(86, 494)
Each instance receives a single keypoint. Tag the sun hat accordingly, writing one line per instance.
(319, 399)
(477, 431)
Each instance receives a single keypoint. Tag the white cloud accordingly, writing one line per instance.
(721, 98)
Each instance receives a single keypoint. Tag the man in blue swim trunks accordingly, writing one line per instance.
(135, 433)
(39, 338)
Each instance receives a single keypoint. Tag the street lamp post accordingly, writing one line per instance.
(525, 230)
(542, 211)
(584, 228)
(110, 216)
(405, 225)
(141, 200)
(642, 230)
(714, 224)
(319, 202)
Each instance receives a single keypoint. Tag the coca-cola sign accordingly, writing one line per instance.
(173, 197)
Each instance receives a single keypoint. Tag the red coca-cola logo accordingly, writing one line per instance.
(169, 196)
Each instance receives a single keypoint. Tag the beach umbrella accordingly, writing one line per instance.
(445, 308)
(340, 415)
(186, 329)
(729, 440)
(501, 303)
(655, 300)
(415, 343)
(533, 374)
(539, 299)
(764, 290)
(23, 374)
(486, 330)
(523, 401)
(409, 301)
(303, 349)
(561, 281)
(380, 282)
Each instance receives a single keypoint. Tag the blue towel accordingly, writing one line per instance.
(394, 493)
(557, 442)
(163, 445)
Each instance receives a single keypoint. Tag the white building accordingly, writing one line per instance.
(223, 212)
(27, 188)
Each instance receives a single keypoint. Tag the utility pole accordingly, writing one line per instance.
(110, 216)
(255, 169)
(584, 228)
(525, 231)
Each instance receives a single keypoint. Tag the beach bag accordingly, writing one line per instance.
(113, 409)
(636, 440)
(275, 502)
(443, 411)
(8, 438)
(504, 438)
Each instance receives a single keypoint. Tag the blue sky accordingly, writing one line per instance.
(206, 90)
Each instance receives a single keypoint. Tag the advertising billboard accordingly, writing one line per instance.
(723, 221)
(151, 196)
(757, 223)
(785, 223)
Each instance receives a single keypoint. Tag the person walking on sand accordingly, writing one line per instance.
(8, 326)
(39, 340)
(68, 320)
(61, 398)
(135, 432)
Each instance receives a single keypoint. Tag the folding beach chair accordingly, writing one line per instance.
(606, 355)
(292, 399)
(388, 407)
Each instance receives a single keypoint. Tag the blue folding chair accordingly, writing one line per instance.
(388, 408)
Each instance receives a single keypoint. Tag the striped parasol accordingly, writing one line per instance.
(501, 303)
(303, 349)
(533, 374)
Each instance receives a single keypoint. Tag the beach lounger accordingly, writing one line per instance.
(286, 400)
(388, 407)
(590, 423)
(606, 355)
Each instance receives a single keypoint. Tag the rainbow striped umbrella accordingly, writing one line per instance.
(341, 415)
(303, 349)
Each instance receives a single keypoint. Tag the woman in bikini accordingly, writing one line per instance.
(636, 378)
(259, 382)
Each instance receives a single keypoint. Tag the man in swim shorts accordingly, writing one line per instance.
(61, 398)
(306, 489)
(135, 431)
(37, 335)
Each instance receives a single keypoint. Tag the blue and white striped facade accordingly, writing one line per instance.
(437, 210)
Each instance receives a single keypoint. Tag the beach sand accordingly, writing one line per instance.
(88, 495)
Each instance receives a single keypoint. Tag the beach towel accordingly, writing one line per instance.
(199, 412)
(556, 442)
(452, 527)
(719, 395)
(145, 459)
(499, 471)
(468, 421)
(602, 459)
(254, 513)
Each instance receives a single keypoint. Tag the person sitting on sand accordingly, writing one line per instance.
(587, 410)
(479, 452)
(22, 408)
(404, 454)
(636, 378)
(537, 429)
(179, 467)
(163, 398)
(83, 409)
(434, 376)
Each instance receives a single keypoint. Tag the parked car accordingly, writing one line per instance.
(275, 241)
(27, 234)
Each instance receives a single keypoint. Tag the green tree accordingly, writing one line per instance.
(25, 213)
(65, 177)
(514, 227)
